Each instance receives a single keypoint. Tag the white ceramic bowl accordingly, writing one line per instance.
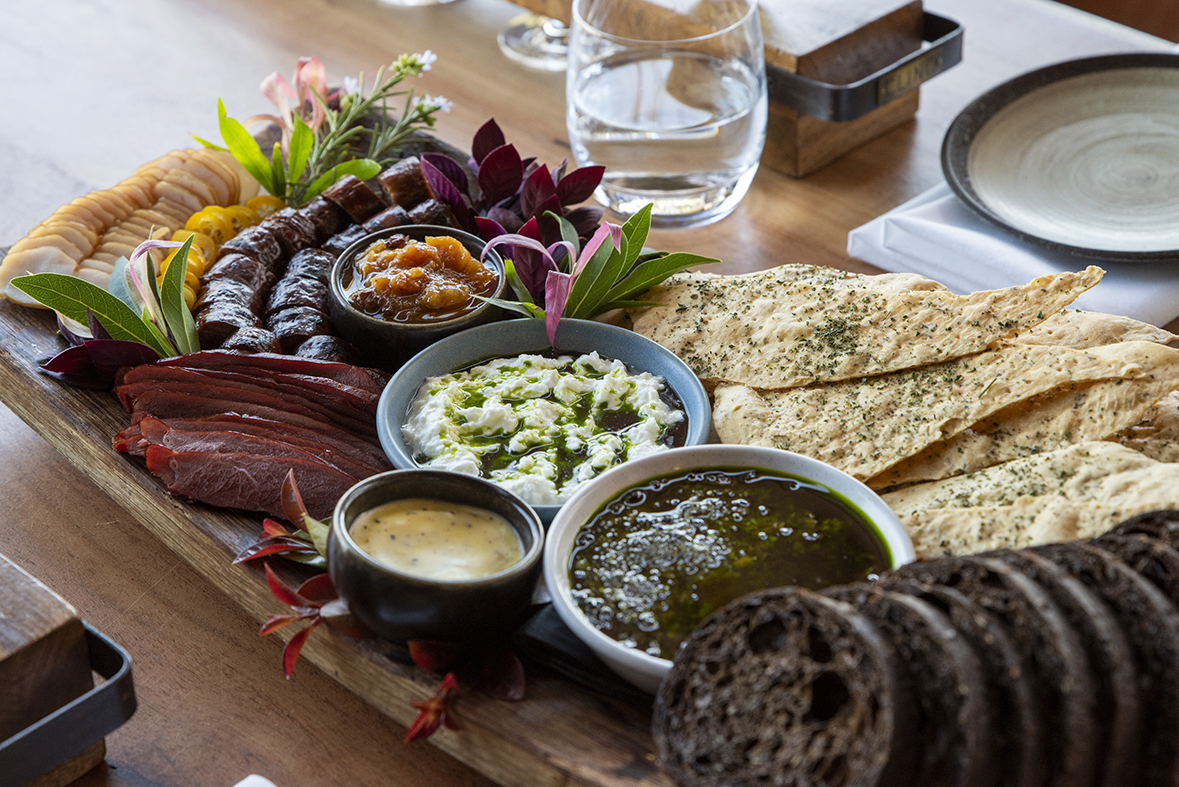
(642, 670)
(513, 337)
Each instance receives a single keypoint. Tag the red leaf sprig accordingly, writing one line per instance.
(277, 540)
(437, 711)
(307, 544)
(315, 601)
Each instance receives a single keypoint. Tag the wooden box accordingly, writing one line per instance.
(44, 663)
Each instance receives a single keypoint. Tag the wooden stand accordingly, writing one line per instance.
(44, 663)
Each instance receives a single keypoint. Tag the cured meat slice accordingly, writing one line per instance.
(252, 340)
(945, 675)
(405, 184)
(240, 268)
(313, 264)
(228, 291)
(295, 290)
(328, 348)
(339, 243)
(248, 481)
(264, 364)
(297, 324)
(328, 217)
(395, 216)
(156, 432)
(1156, 560)
(235, 395)
(293, 231)
(785, 686)
(355, 197)
(257, 242)
(433, 211)
(219, 320)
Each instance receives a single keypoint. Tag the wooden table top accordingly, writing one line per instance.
(95, 89)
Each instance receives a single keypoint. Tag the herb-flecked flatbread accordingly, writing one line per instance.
(1157, 434)
(1082, 330)
(867, 425)
(798, 324)
(1074, 413)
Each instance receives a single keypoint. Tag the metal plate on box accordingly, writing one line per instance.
(825, 101)
(1081, 157)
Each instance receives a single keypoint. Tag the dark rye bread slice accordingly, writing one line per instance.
(1064, 683)
(1118, 711)
(1162, 524)
(785, 687)
(945, 675)
(1016, 718)
(1150, 557)
(1151, 622)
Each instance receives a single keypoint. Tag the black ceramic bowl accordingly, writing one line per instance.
(400, 606)
(388, 344)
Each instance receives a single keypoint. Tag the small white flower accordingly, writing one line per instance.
(427, 59)
(438, 103)
(351, 86)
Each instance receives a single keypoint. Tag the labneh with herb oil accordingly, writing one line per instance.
(661, 556)
(433, 539)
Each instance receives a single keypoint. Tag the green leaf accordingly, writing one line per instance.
(176, 314)
(206, 143)
(279, 168)
(302, 140)
(245, 148)
(73, 296)
(651, 272)
(160, 337)
(635, 231)
(569, 235)
(594, 282)
(362, 168)
(516, 283)
(527, 309)
(318, 532)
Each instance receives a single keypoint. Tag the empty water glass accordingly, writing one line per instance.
(670, 96)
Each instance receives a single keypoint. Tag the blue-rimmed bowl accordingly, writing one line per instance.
(515, 337)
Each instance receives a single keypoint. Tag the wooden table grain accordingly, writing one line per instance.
(94, 88)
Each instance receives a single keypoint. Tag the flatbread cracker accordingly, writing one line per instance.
(865, 426)
(1157, 434)
(1077, 492)
(1075, 413)
(1082, 330)
(798, 324)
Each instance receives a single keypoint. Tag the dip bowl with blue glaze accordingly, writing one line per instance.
(512, 338)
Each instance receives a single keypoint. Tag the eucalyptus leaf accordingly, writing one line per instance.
(73, 296)
(176, 314)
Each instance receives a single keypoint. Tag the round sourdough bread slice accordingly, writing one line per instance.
(1065, 685)
(946, 677)
(1118, 711)
(785, 687)
(1151, 622)
(1163, 525)
(1016, 718)
(1152, 558)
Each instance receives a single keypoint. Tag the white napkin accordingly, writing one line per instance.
(935, 235)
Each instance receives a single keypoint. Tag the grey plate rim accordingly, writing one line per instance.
(964, 129)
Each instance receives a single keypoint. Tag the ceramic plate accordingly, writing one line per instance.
(1081, 157)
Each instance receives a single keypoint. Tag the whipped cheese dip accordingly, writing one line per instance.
(538, 426)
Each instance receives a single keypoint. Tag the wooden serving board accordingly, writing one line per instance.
(560, 734)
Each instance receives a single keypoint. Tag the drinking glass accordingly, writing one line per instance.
(670, 96)
(536, 41)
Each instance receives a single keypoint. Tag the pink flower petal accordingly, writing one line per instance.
(556, 292)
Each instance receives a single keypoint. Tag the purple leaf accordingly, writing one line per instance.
(114, 354)
(72, 361)
(500, 174)
(532, 267)
(584, 220)
(530, 229)
(538, 188)
(96, 329)
(579, 185)
(506, 219)
(450, 168)
(556, 292)
(489, 228)
(487, 138)
(447, 192)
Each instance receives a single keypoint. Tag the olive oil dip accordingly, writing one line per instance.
(661, 556)
(433, 539)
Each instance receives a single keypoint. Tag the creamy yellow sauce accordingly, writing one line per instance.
(433, 539)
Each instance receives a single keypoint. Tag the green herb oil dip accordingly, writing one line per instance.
(660, 557)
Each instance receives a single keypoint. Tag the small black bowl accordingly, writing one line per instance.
(388, 344)
(399, 606)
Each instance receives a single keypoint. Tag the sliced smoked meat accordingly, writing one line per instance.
(248, 481)
(312, 263)
(433, 211)
(395, 216)
(219, 320)
(405, 184)
(245, 270)
(257, 242)
(1156, 560)
(293, 230)
(328, 217)
(352, 194)
(295, 290)
(328, 348)
(252, 340)
(366, 379)
(296, 324)
(339, 243)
